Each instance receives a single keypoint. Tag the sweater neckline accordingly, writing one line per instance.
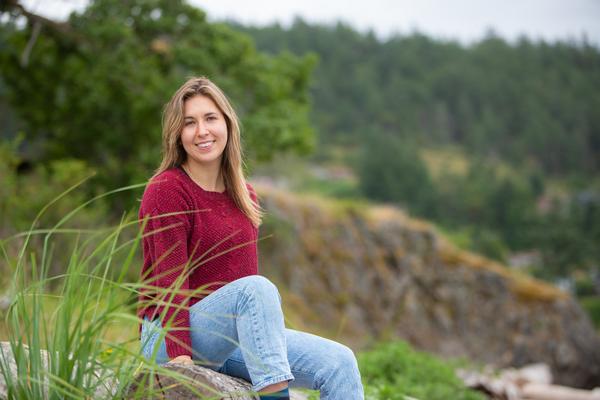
(214, 195)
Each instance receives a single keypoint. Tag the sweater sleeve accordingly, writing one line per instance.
(168, 248)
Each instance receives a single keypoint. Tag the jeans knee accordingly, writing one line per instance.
(259, 285)
(343, 357)
(339, 369)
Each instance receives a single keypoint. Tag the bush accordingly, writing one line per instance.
(25, 193)
(394, 370)
(584, 287)
(592, 306)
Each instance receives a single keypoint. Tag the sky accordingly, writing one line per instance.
(464, 20)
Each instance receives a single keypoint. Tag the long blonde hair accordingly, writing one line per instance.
(232, 162)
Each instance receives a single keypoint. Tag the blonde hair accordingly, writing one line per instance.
(232, 162)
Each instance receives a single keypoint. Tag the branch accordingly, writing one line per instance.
(14, 5)
(62, 30)
(37, 27)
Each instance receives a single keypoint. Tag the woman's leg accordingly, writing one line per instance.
(316, 363)
(244, 314)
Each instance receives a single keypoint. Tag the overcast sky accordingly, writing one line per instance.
(464, 20)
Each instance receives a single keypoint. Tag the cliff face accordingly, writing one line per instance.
(357, 273)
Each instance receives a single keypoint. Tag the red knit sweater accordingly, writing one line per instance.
(213, 243)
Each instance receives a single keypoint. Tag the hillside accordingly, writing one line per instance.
(364, 273)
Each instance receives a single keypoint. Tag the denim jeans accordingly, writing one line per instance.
(238, 330)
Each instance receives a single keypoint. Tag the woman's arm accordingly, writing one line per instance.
(166, 244)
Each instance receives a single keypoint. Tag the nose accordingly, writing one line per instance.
(202, 129)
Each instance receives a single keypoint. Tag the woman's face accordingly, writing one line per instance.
(204, 133)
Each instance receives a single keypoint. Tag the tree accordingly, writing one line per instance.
(93, 88)
(391, 170)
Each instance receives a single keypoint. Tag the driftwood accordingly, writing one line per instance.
(199, 382)
(536, 391)
(533, 382)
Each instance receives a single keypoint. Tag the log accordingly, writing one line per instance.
(201, 382)
(165, 383)
(533, 382)
(540, 391)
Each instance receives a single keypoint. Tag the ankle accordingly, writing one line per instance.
(274, 387)
(283, 394)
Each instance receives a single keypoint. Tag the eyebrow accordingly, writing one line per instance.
(206, 115)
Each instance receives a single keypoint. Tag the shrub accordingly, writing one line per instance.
(592, 306)
(394, 371)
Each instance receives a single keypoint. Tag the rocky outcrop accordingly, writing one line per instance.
(357, 273)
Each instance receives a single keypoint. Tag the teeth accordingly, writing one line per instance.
(204, 145)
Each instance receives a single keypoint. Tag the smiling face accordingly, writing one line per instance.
(204, 134)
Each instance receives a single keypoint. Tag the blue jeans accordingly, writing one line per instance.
(238, 330)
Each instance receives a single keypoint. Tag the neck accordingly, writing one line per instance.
(209, 178)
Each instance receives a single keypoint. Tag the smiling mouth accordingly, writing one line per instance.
(205, 145)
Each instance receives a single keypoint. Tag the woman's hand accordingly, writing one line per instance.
(185, 360)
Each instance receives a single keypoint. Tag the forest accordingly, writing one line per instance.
(497, 142)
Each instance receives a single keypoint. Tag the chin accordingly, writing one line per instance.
(207, 161)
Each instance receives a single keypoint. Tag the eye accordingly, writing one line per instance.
(212, 118)
(188, 123)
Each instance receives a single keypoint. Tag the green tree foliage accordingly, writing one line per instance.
(570, 236)
(484, 197)
(391, 170)
(94, 88)
(531, 101)
(530, 105)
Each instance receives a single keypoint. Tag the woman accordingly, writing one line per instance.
(200, 256)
